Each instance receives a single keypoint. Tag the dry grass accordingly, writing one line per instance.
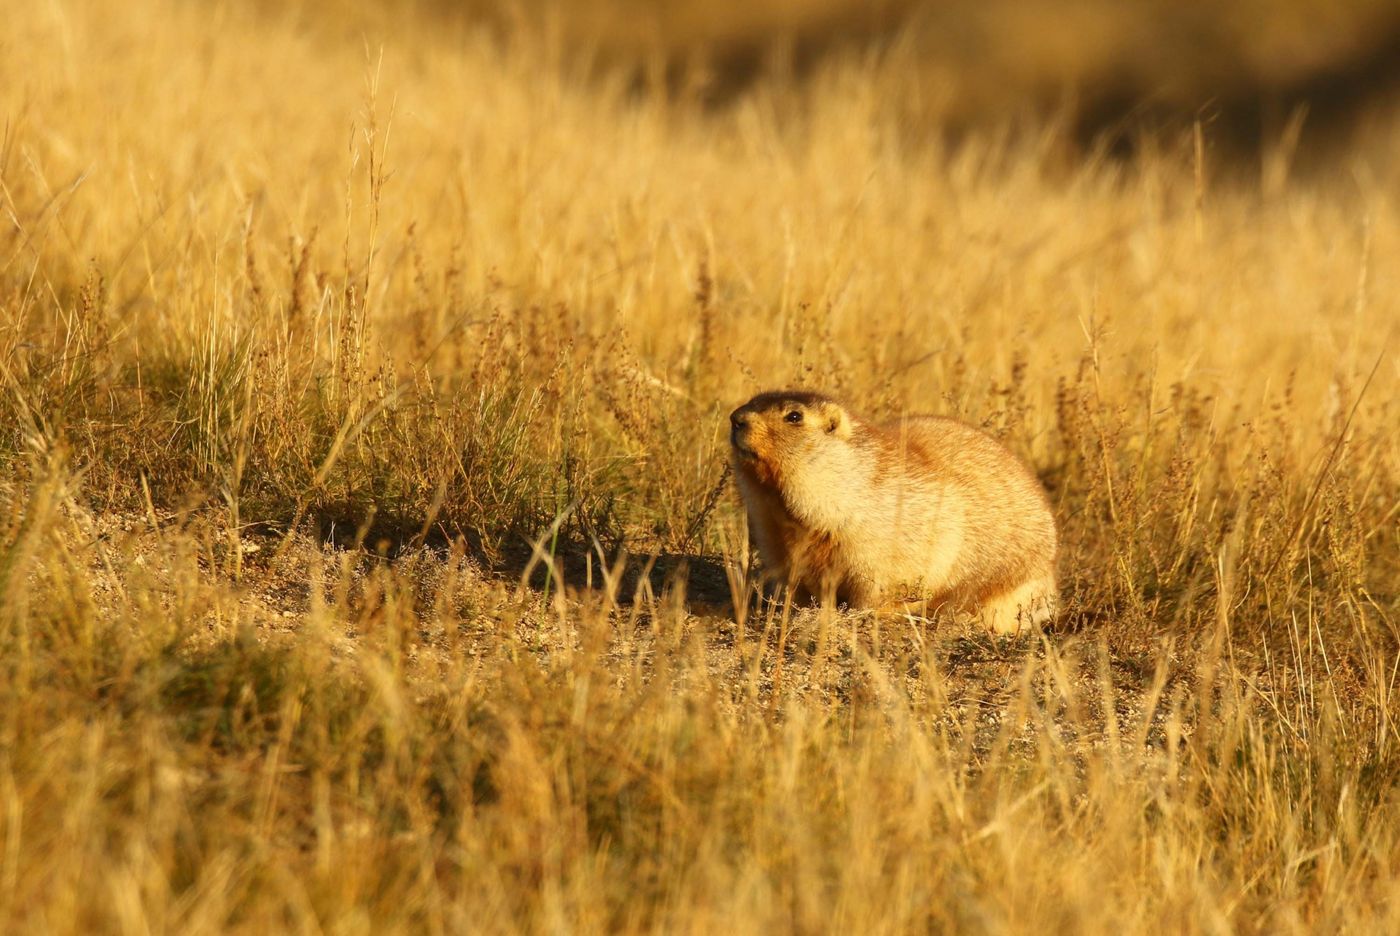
(361, 410)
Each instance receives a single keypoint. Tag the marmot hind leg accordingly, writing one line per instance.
(1026, 607)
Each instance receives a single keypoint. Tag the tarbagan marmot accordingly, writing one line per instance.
(918, 509)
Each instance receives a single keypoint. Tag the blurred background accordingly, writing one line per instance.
(1309, 72)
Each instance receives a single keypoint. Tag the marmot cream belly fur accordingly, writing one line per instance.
(922, 508)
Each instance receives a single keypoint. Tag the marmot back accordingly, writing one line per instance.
(922, 508)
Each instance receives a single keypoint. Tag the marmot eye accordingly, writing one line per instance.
(794, 417)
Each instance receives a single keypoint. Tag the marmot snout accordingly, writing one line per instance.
(922, 508)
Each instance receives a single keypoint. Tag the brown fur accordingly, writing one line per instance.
(920, 509)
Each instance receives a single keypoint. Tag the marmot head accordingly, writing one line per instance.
(776, 430)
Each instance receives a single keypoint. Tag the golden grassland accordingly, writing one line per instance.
(365, 562)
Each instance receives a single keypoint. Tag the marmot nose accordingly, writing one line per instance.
(738, 419)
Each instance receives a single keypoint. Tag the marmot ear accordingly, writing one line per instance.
(837, 422)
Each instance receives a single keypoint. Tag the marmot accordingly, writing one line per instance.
(922, 508)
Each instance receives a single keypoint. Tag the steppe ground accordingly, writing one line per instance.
(367, 565)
